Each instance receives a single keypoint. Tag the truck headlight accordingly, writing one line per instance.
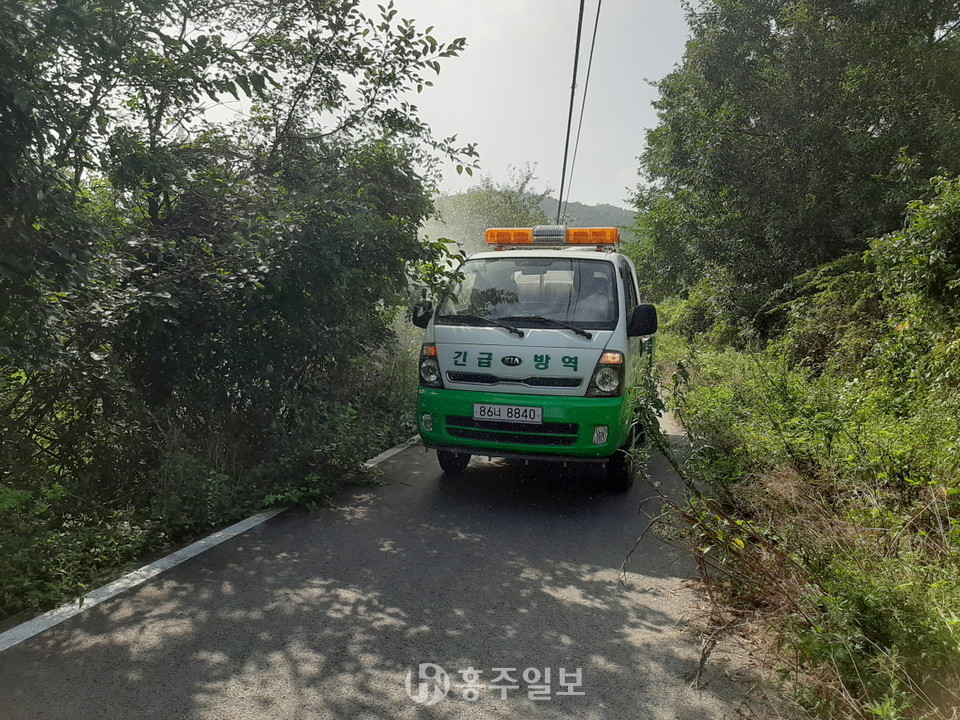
(430, 375)
(607, 380)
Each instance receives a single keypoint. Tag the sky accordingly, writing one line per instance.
(509, 91)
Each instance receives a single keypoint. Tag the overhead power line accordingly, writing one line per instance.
(583, 106)
(573, 93)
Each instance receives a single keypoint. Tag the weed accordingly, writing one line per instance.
(830, 517)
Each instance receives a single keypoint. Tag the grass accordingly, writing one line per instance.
(831, 518)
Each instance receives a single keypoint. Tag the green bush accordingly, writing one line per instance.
(192, 322)
(53, 548)
(57, 542)
(820, 483)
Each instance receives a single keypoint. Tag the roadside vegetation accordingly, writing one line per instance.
(209, 214)
(800, 226)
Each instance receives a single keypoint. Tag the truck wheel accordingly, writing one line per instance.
(452, 463)
(620, 471)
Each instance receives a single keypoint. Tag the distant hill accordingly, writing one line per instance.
(580, 215)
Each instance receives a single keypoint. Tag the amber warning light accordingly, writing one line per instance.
(552, 235)
(593, 236)
(510, 236)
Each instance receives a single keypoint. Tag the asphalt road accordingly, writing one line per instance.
(326, 614)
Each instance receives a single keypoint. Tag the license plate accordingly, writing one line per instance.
(508, 413)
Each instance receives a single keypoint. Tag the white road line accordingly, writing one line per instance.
(37, 625)
(391, 452)
(56, 616)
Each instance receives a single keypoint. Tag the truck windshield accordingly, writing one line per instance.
(527, 290)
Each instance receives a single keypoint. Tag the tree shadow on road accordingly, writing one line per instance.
(322, 615)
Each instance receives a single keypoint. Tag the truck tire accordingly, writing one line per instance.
(452, 463)
(620, 470)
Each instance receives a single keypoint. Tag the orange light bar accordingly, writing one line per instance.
(429, 350)
(510, 236)
(593, 236)
(611, 357)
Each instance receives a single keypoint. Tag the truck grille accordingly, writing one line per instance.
(555, 434)
(535, 381)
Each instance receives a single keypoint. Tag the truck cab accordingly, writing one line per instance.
(537, 353)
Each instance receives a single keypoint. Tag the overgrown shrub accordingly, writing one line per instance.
(57, 540)
(196, 313)
(835, 519)
(828, 464)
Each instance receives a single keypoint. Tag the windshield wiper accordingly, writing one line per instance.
(486, 320)
(551, 321)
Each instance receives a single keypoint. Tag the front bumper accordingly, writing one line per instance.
(567, 430)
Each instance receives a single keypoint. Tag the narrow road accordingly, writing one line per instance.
(327, 614)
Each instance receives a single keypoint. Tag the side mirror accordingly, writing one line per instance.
(643, 322)
(422, 312)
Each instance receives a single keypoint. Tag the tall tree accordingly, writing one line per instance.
(465, 217)
(791, 133)
(207, 213)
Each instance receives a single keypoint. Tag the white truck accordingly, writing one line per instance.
(537, 353)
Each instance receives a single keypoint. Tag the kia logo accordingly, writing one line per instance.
(511, 360)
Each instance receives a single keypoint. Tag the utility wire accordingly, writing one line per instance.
(573, 93)
(583, 105)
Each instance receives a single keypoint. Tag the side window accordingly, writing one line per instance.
(630, 289)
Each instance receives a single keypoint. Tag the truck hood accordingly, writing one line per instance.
(546, 361)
